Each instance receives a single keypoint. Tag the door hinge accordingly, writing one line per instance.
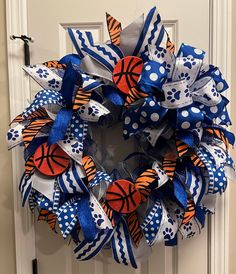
(35, 266)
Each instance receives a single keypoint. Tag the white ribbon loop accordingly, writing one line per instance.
(162, 56)
(129, 36)
(14, 136)
(99, 216)
(43, 184)
(205, 92)
(44, 76)
(186, 68)
(163, 177)
(92, 111)
(177, 95)
(122, 246)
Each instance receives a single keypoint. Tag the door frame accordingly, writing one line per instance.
(19, 93)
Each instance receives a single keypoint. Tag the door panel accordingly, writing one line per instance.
(47, 23)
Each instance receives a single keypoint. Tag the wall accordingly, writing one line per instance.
(232, 186)
(7, 248)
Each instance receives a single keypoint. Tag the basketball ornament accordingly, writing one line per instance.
(171, 103)
(51, 160)
(123, 197)
(127, 72)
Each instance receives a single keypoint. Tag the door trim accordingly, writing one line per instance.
(220, 55)
(19, 92)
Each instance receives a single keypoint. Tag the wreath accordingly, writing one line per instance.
(171, 104)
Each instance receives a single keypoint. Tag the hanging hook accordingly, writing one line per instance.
(26, 41)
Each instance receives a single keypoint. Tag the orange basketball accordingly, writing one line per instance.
(126, 73)
(51, 160)
(122, 196)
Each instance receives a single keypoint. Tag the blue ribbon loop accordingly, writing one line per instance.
(153, 76)
(86, 221)
(60, 125)
(114, 95)
(180, 192)
(71, 78)
(70, 58)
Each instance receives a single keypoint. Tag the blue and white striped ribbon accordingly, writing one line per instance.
(152, 32)
(71, 181)
(196, 185)
(107, 55)
(122, 245)
(88, 250)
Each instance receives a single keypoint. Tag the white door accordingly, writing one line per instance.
(187, 21)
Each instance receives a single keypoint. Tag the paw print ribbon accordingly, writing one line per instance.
(50, 79)
(14, 136)
(73, 140)
(44, 76)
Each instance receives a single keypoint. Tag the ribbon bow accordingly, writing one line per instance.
(182, 84)
(69, 92)
(85, 209)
